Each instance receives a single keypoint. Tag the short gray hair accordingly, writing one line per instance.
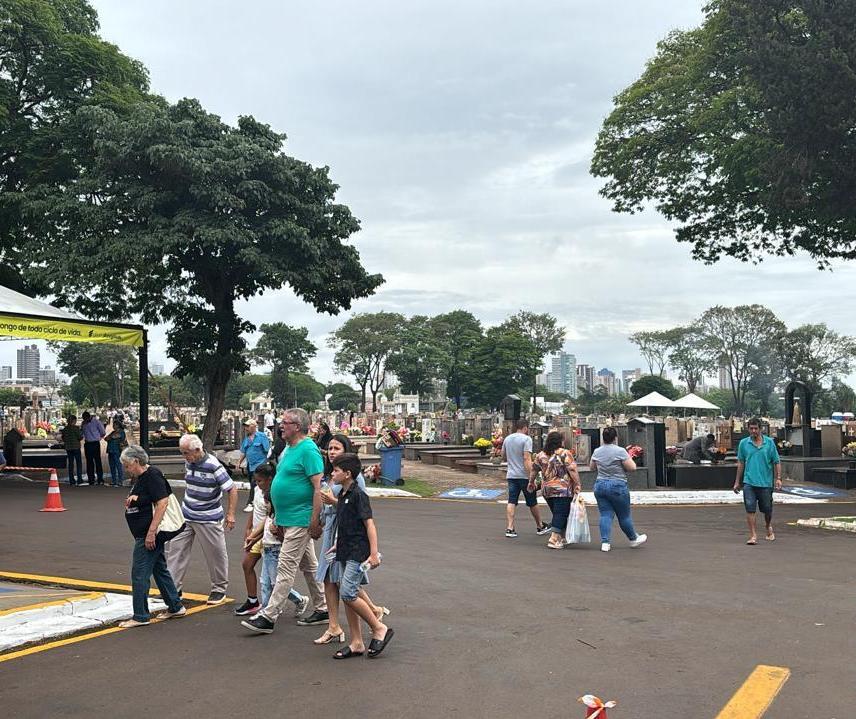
(301, 416)
(190, 441)
(134, 453)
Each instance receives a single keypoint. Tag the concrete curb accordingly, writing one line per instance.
(371, 491)
(655, 498)
(69, 617)
(828, 523)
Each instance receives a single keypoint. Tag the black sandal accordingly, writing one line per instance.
(347, 653)
(376, 646)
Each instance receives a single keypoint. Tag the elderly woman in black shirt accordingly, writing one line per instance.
(144, 510)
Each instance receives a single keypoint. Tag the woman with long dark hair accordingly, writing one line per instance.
(612, 463)
(560, 482)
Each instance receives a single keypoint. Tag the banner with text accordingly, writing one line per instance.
(68, 331)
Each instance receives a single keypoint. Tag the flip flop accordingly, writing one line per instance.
(347, 653)
(770, 537)
(752, 541)
(376, 646)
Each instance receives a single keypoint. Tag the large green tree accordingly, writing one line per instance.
(458, 333)
(691, 354)
(500, 363)
(192, 215)
(287, 350)
(419, 358)
(52, 63)
(654, 346)
(742, 338)
(742, 131)
(342, 396)
(648, 383)
(101, 374)
(544, 334)
(815, 354)
(363, 345)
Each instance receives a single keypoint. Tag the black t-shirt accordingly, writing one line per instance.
(353, 540)
(151, 486)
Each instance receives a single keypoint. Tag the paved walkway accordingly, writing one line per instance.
(485, 626)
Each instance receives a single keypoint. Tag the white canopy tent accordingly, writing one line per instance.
(693, 401)
(652, 399)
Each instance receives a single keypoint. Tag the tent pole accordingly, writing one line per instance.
(144, 391)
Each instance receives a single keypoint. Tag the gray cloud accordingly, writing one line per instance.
(461, 135)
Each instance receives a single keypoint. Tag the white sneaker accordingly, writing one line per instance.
(173, 615)
(605, 547)
(248, 508)
(300, 609)
(640, 539)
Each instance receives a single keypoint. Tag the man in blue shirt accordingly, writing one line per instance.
(757, 463)
(254, 452)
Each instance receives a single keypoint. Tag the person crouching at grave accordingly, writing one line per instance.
(356, 545)
(612, 463)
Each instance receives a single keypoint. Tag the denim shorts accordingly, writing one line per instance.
(515, 487)
(351, 579)
(758, 498)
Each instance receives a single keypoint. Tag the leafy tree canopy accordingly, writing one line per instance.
(192, 215)
(742, 131)
(653, 383)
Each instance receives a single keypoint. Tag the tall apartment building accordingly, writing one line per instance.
(606, 378)
(628, 377)
(29, 362)
(5, 372)
(563, 378)
(45, 377)
(585, 377)
(157, 369)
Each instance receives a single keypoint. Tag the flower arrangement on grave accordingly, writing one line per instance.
(414, 436)
(672, 453)
(635, 452)
(403, 434)
(482, 445)
(496, 440)
(368, 430)
(388, 438)
(354, 432)
(372, 473)
(784, 446)
(849, 450)
(466, 439)
(446, 437)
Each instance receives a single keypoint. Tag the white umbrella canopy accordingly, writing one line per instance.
(653, 399)
(693, 401)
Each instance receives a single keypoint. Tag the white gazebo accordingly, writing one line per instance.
(693, 401)
(652, 399)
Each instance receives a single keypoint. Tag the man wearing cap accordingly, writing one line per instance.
(254, 452)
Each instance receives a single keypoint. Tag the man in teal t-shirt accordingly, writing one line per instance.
(296, 498)
(757, 464)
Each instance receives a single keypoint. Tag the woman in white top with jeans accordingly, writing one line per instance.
(611, 462)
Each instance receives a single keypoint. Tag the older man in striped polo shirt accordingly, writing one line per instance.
(207, 480)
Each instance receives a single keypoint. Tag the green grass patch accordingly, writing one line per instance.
(420, 487)
(844, 519)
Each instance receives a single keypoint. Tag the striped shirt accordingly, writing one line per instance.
(206, 481)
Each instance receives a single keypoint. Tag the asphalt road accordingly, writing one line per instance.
(485, 626)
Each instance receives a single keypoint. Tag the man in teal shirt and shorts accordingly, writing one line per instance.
(757, 465)
(296, 498)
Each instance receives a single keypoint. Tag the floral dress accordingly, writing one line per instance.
(556, 473)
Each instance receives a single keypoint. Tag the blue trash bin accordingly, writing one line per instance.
(390, 465)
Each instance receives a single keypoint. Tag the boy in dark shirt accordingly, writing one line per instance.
(356, 543)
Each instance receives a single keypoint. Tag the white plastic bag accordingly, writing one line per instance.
(578, 527)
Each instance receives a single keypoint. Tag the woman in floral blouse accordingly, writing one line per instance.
(560, 481)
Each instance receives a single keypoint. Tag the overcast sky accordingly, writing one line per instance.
(461, 135)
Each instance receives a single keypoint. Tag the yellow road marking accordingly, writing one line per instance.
(86, 584)
(82, 638)
(54, 603)
(753, 699)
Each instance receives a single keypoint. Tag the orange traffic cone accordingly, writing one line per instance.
(53, 502)
(595, 707)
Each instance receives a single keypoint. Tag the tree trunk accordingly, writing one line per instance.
(219, 372)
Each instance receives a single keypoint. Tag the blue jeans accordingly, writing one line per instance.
(758, 498)
(352, 576)
(613, 498)
(270, 558)
(74, 458)
(515, 487)
(146, 564)
(117, 474)
(561, 509)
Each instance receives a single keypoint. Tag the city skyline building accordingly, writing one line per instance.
(563, 377)
(5, 372)
(29, 362)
